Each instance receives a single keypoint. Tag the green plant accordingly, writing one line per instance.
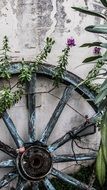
(9, 95)
(62, 62)
(99, 72)
(27, 69)
(5, 60)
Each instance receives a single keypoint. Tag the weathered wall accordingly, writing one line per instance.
(27, 23)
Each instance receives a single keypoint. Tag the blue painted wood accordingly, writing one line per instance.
(73, 134)
(20, 184)
(61, 141)
(7, 179)
(70, 157)
(23, 185)
(8, 150)
(30, 89)
(35, 186)
(12, 129)
(48, 184)
(68, 179)
(7, 164)
(57, 112)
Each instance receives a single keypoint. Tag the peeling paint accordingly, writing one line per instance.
(54, 21)
(14, 6)
(60, 16)
(3, 4)
(86, 2)
(98, 8)
(29, 22)
(44, 9)
(44, 21)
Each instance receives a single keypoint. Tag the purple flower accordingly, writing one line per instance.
(71, 42)
(97, 50)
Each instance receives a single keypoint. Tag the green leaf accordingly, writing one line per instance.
(101, 96)
(104, 57)
(104, 45)
(104, 135)
(93, 58)
(101, 29)
(91, 44)
(104, 2)
(102, 105)
(88, 12)
(100, 167)
(103, 86)
(100, 44)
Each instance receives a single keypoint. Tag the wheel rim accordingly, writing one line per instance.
(43, 166)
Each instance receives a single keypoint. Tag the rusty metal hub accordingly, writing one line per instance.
(35, 163)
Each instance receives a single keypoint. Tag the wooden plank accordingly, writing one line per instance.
(70, 180)
(56, 114)
(73, 134)
(7, 179)
(72, 158)
(12, 129)
(8, 150)
(48, 184)
(30, 89)
(7, 164)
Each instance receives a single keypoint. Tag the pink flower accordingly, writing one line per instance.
(97, 50)
(21, 150)
(71, 42)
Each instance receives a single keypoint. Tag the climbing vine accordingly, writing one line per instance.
(9, 95)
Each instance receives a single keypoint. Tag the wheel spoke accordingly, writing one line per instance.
(30, 89)
(20, 184)
(7, 179)
(7, 164)
(68, 179)
(57, 112)
(77, 157)
(8, 150)
(59, 142)
(35, 186)
(12, 129)
(83, 130)
(48, 184)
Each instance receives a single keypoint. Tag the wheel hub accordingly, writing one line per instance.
(35, 163)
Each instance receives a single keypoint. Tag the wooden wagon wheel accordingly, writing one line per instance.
(35, 163)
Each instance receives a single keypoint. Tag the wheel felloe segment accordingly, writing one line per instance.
(35, 163)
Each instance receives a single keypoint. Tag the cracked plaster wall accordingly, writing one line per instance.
(27, 23)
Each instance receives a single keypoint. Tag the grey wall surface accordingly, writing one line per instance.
(27, 23)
